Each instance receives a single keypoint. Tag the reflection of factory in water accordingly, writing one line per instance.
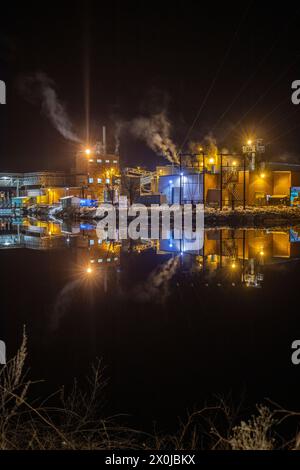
(236, 256)
(220, 257)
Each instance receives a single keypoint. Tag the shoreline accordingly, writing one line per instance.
(250, 217)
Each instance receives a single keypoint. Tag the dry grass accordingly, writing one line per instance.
(78, 423)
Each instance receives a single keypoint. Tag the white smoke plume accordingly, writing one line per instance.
(155, 131)
(210, 145)
(40, 87)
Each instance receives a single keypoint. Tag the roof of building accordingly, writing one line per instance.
(283, 166)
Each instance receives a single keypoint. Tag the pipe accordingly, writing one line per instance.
(104, 140)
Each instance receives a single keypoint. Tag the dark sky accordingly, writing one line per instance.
(143, 57)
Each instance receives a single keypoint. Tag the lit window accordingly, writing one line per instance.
(99, 160)
(92, 242)
(91, 180)
(108, 260)
(115, 161)
(100, 260)
(99, 241)
(99, 180)
(91, 160)
(107, 180)
(106, 161)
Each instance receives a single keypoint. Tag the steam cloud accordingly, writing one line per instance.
(155, 131)
(40, 88)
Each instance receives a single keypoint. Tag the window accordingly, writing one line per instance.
(106, 161)
(115, 161)
(99, 160)
(107, 180)
(91, 160)
(99, 180)
(91, 180)
(92, 242)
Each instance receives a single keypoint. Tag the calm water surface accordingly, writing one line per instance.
(174, 328)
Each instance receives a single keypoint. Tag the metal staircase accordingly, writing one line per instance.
(230, 180)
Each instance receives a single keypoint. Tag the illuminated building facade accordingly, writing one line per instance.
(230, 184)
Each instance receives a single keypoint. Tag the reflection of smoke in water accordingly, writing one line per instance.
(63, 302)
(156, 288)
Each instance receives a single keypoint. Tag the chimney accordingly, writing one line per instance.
(104, 140)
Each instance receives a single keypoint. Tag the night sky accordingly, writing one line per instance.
(232, 65)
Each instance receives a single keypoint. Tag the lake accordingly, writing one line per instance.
(174, 327)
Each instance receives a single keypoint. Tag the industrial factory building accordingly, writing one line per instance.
(221, 180)
(99, 172)
(218, 180)
(270, 184)
(94, 177)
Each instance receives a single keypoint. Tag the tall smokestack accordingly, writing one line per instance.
(104, 139)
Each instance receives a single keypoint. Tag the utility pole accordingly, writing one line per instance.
(244, 184)
(203, 181)
(221, 182)
(180, 177)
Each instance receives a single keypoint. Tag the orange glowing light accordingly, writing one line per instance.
(211, 160)
(262, 175)
(89, 270)
(88, 151)
(249, 142)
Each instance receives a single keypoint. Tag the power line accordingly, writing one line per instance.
(260, 98)
(244, 86)
(215, 78)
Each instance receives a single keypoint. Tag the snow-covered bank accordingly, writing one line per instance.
(253, 216)
(250, 217)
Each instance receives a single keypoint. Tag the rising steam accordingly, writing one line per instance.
(39, 88)
(155, 131)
